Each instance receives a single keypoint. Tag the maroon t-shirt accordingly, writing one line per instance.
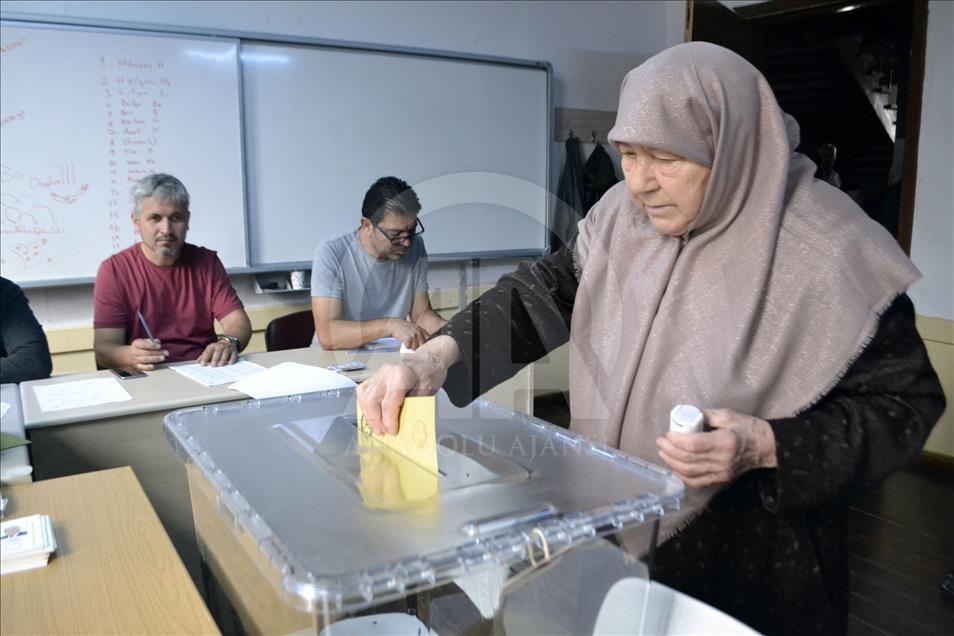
(178, 302)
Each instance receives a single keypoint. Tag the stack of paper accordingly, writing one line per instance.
(25, 543)
(215, 376)
(291, 378)
(79, 394)
(381, 344)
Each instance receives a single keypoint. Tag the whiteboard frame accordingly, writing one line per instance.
(251, 37)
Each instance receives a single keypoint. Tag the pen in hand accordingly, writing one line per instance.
(142, 321)
(150, 351)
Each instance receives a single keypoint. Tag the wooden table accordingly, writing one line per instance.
(114, 572)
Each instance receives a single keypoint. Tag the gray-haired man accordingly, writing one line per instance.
(178, 288)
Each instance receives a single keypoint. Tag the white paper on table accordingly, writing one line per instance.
(4, 407)
(291, 378)
(216, 376)
(381, 344)
(74, 395)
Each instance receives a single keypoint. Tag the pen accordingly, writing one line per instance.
(142, 320)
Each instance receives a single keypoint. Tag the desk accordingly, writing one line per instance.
(114, 571)
(131, 433)
(14, 462)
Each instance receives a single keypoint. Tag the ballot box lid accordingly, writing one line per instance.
(338, 528)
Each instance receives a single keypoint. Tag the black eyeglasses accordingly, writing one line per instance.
(397, 237)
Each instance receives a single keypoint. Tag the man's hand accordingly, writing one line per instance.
(738, 444)
(218, 354)
(382, 396)
(410, 334)
(145, 354)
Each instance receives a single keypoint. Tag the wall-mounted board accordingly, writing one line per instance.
(85, 113)
(323, 123)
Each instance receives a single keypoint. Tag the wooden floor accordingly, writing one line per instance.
(900, 542)
(901, 545)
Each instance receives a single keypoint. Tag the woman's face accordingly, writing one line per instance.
(669, 188)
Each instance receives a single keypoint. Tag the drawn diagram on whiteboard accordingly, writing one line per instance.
(70, 198)
(23, 215)
(31, 254)
(64, 183)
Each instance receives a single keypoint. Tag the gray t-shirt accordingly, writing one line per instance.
(368, 288)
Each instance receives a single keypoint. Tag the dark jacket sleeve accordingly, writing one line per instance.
(26, 355)
(874, 421)
(518, 321)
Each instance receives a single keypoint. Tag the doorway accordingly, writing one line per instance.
(851, 74)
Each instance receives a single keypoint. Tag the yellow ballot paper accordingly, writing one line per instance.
(417, 437)
(400, 471)
(390, 481)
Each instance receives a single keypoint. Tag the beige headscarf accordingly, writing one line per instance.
(761, 307)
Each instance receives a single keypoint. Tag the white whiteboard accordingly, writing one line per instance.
(322, 124)
(84, 114)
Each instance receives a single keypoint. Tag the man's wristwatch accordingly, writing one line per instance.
(231, 339)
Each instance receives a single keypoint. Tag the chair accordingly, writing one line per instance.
(293, 331)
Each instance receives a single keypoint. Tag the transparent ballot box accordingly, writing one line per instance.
(301, 523)
(600, 590)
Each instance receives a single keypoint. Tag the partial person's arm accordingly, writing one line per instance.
(112, 352)
(111, 314)
(522, 318)
(222, 352)
(230, 312)
(473, 353)
(27, 352)
(423, 315)
(873, 422)
(335, 333)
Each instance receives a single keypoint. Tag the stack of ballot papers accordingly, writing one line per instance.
(215, 376)
(381, 344)
(291, 378)
(79, 394)
(25, 543)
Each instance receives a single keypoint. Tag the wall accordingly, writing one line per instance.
(932, 240)
(591, 45)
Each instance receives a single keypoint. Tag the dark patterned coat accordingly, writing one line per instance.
(770, 548)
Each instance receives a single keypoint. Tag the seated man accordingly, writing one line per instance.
(371, 283)
(24, 352)
(179, 289)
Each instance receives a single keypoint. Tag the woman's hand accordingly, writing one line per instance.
(382, 395)
(739, 443)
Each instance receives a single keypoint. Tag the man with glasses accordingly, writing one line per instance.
(371, 283)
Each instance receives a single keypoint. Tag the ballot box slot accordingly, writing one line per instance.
(463, 461)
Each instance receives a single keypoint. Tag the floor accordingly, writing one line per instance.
(900, 543)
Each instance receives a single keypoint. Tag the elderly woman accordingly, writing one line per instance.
(720, 274)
